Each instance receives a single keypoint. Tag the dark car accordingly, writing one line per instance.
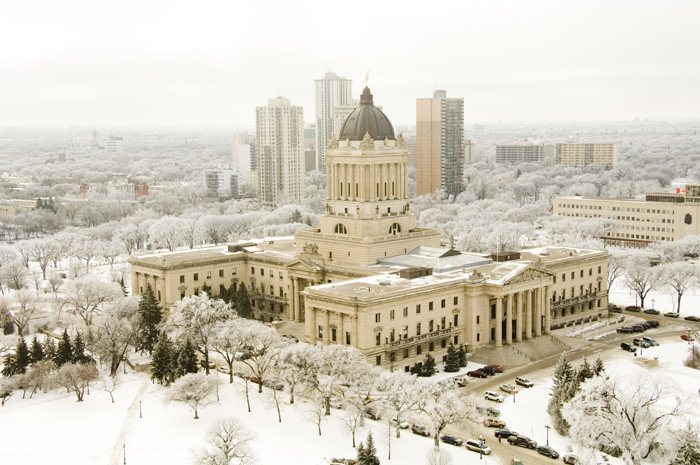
(489, 370)
(687, 338)
(504, 433)
(671, 314)
(275, 384)
(420, 430)
(372, 413)
(654, 323)
(633, 308)
(652, 311)
(548, 452)
(477, 374)
(640, 343)
(449, 439)
(522, 441)
(628, 347)
(648, 325)
(624, 329)
(614, 309)
(496, 368)
(638, 328)
(692, 318)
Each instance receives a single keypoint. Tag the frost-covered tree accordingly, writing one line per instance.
(443, 407)
(25, 310)
(439, 457)
(194, 389)
(679, 276)
(353, 416)
(640, 276)
(150, 314)
(195, 318)
(14, 274)
(85, 297)
(36, 351)
(615, 269)
(297, 366)
(631, 417)
(263, 345)
(229, 444)
(114, 332)
(76, 377)
(186, 359)
(64, 352)
(44, 251)
(688, 446)
(335, 364)
(167, 232)
(163, 361)
(401, 395)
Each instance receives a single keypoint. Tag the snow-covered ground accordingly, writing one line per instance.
(662, 300)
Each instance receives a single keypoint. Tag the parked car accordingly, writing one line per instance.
(223, 369)
(516, 462)
(488, 369)
(504, 433)
(494, 396)
(421, 430)
(522, 381)
(291, 338)
(652, 311)
(692, 318)
(211, 364)
(461, 381)
(477, 446)
(337, 402)
(548, 452)
(489, 411)
(570, 459)
(633, 308)
(687, 338)
(628, 347)
(671, 314)
(522, 441)
(648, 325)
(275, 384)
(654, 323)
(612, 308)
(639, 342)
(638, 328)
(624, 329)
(477, 374)
(449, 439)
(494, 423)
(496, 368)
(402, 425)
(650, 341)
(372, 413)
(509, 388)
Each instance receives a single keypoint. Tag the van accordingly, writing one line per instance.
(628, 347)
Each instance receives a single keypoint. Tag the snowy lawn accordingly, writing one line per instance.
(663, 300)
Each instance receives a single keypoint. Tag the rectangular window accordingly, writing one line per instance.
(221, 273)
(430, 305)
(477, 319)
(333, 334)
(196, 277)
(234, 271)
(563, 277)
(442, 303)
(418, 309)
(455, 300)
(208, 274)
(158, 295)
(478, 337)
(456, 340)
(347, 337)
(599, 270)
(378, 338)
(443, 343)
(252, 270)
(590, 272)
(182, 278)
(572, 275)
(391, 314)
(405, 353)
(442, 322)
(320, 332)
(405, 312)
(196, 291)
(431, 347)
(581, 276)
(379, 359)
(392, 356)
(417, 329)
(262, 272)
(419, 349)
(377, 317)
(280, 275)
(182, 295)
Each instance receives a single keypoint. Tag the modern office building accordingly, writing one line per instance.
(243, 156)
(585, 154)
(368, 277)
(523, 152)
(659, 217)
(331, 91)
(439, 144)
(279, 152)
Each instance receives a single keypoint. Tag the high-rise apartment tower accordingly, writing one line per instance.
(331, 91)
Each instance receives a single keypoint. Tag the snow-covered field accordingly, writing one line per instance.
(662, 300)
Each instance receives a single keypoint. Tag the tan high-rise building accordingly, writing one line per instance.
(439, 144)
(279, 152)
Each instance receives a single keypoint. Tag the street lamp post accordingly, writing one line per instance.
(124, 451)
(514, 392)
(140, 411)
(548, 428)
(652, 303)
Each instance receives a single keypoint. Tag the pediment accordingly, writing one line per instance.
(528, 274)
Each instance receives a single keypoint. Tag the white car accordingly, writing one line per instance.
(490, 395)
(523, 381)
(509, 388)
(402, 425)
(477, 446)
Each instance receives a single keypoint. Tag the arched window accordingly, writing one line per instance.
(394, 229)
(688, 218)
(340, 229)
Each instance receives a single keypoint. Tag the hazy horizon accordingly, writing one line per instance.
(193, 65)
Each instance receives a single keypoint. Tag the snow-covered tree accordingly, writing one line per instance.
(44, 251)
(367, 453)
(679, 276)
(335, 364)
(228, 442)
(167, 232)
(631, 417)
(195, 318)
(76, 377)
(297, 366)
(14, 274)
(439, 457)
(114, 332)
(688, 446)
(443, 406)
(194, 389)
(163, 361)
(263, 345)
(401, 395)
(353, 415)
(25, 310)
(640, 276)
(85, 297)
(615, 269)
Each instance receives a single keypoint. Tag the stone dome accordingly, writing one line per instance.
(367, 119)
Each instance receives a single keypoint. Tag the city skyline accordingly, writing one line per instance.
(79, 63)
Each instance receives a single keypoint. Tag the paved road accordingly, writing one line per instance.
(607, 347)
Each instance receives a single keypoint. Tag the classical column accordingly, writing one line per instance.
(354, 335)
(528, 314)
(519, 318)
(509, 319)
(538, 312)
(135, 286)
(499, 321)
(547, 310)
(311, 329)
(327, 327)
(341, 330)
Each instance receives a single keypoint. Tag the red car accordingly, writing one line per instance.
(685, 337)
(477, 374)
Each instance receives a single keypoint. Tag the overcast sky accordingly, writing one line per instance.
(210, 63)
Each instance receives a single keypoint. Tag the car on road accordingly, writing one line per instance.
(516, 462)
(476, 445)
(612, 308)
(633, 308)
(651, 341)
(509, 388)
(496, 368)
(488, 369)
(523, 381)
(477, 374)
(504, 433)
(570, 459)
(652, 311)
(402, 425)
(548, 452)
(692, 318)
(461, 381)
(449, 439)
(494, 423)
(494, 396)
(522, 441)
(654, 323)
(628, 347)
(638, 328)
(639, 342)
(687, 338)
(671, 314)
(624, 329)
(421, 430)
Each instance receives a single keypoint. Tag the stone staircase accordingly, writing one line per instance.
(522, 353)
